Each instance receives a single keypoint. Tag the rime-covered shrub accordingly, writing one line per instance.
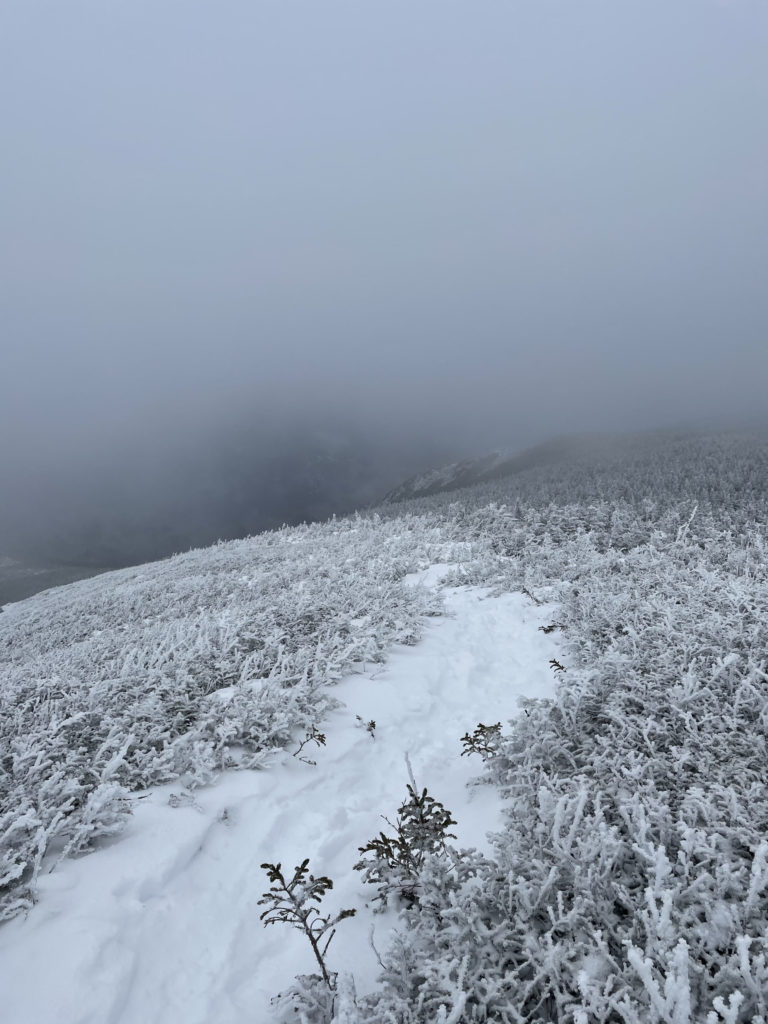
(630, 883)
(181, 668)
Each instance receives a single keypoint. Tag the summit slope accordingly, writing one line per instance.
(626, 878)
(164, 925)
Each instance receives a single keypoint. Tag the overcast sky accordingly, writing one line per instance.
(493, 220)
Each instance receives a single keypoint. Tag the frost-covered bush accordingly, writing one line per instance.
(630, 883)
(181, 668)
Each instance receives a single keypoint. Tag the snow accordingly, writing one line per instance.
(629, 874)
(162, 924)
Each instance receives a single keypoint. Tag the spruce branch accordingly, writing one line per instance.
(393, 862)
(369, 726)
(313, 736)
(290, 902)
(483, 741)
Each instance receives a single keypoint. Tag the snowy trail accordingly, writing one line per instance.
(163, 924)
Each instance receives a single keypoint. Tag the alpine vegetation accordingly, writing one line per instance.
(630, 882)
(627, 882)
(394, 863)
(295, 902)
(485, 741)
(182, 668)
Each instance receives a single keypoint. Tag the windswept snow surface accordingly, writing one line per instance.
(162, 924)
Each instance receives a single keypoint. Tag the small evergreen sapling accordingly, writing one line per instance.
(484, 741)
(420, 829)
(369, 726)
(313, 736)
(291, 902)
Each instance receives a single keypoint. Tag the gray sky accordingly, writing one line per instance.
(492, 221)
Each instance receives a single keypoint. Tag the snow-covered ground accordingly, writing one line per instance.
(628, 873)
(162, 924)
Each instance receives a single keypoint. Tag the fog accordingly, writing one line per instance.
(244, 234)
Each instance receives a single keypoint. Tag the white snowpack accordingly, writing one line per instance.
(162, 924)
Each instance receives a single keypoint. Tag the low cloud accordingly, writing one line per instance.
(433, 232)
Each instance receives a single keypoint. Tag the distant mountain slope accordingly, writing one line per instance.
(236, 484)
(19, 580)
(497, 465)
